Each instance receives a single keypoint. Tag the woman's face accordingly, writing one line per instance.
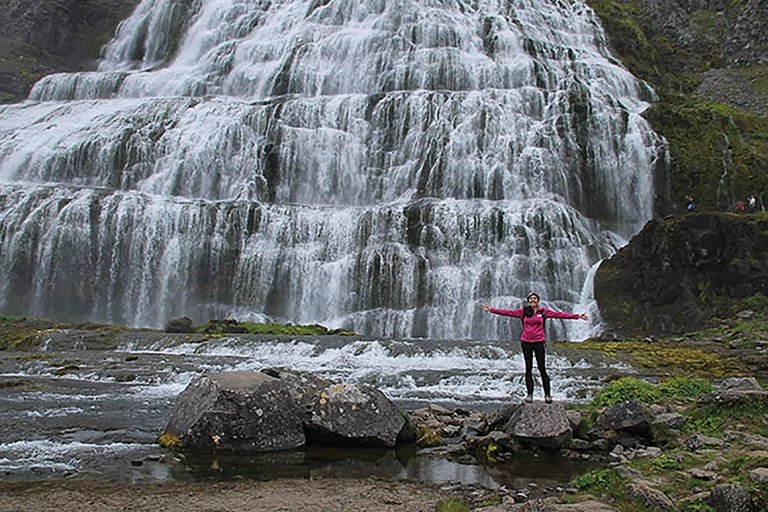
(533, 300)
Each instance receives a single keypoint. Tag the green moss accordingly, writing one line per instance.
(216, 328)
(677, 389)
(684, 388)
(714, 419)
(428, 436)
(626, 389)
(451, 505)
(170, 441)
(670, 359)
(602, 481)
(717, 151)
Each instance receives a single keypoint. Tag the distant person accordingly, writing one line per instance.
(533, 339)
(740, 206)
(689, 204)
(751, 203)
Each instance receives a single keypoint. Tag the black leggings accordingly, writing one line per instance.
(529, 349)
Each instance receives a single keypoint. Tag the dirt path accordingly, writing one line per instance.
(292, 495)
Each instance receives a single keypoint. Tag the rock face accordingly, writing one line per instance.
(353, 414)
(236, 411)
(540, 424)
(40, 37)
(279, 409)
(667, 279)
(342, 414)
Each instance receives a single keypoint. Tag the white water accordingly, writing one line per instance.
(384, 167)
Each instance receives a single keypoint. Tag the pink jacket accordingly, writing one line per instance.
(533, 327)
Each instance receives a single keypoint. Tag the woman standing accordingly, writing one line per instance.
(533, 338)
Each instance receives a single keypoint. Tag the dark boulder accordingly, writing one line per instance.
(731, 498)
(632, 417)
(235, 412)
(680, 275)
(181, 325)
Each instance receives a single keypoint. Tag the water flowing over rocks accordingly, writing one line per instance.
(378, 167)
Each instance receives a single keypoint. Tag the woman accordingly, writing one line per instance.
(533, 338)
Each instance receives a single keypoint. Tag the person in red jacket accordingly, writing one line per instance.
(533, 338)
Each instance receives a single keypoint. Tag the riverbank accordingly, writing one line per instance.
(694, 444)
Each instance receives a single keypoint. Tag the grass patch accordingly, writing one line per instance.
(678, 389)
(451, 505)
(714, 419)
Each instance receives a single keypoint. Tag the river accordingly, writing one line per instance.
(80, 406)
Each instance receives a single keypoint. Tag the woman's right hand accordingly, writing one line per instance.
(486, 307)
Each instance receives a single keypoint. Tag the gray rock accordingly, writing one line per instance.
(353, 414)
(304, 387)
(650, 496)
(574, 419)
(670, 419)
(731, 498)
(759, 475)
(238, 412)
(632, 416)
(179, 325)
(540, 424)
(739, 383)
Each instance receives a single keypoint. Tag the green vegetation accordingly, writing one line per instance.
(170, 441)
(428, 436)
(677, 389)
(670, 359)
(603, 481)
(714, 419)
(681, 470)
(229, 327)
(719, 153)
(451, 505)
(27, 333)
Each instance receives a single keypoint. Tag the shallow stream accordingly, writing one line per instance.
(72, 409)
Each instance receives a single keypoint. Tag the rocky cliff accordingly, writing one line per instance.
(40, 37)
(685, 274)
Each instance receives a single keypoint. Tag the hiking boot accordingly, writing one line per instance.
(548, 399)
(529, 399)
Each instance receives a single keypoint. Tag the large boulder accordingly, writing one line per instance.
(352, 414)
(235, 411)
(731, 498)
(633, 417)
(540, 424)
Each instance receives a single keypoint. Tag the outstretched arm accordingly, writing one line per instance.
(568, 316)
(517, 313)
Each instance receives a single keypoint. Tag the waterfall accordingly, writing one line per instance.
(383, 167)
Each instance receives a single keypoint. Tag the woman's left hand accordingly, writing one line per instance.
(583, 316)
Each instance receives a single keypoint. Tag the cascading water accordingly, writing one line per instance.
(384, 167)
